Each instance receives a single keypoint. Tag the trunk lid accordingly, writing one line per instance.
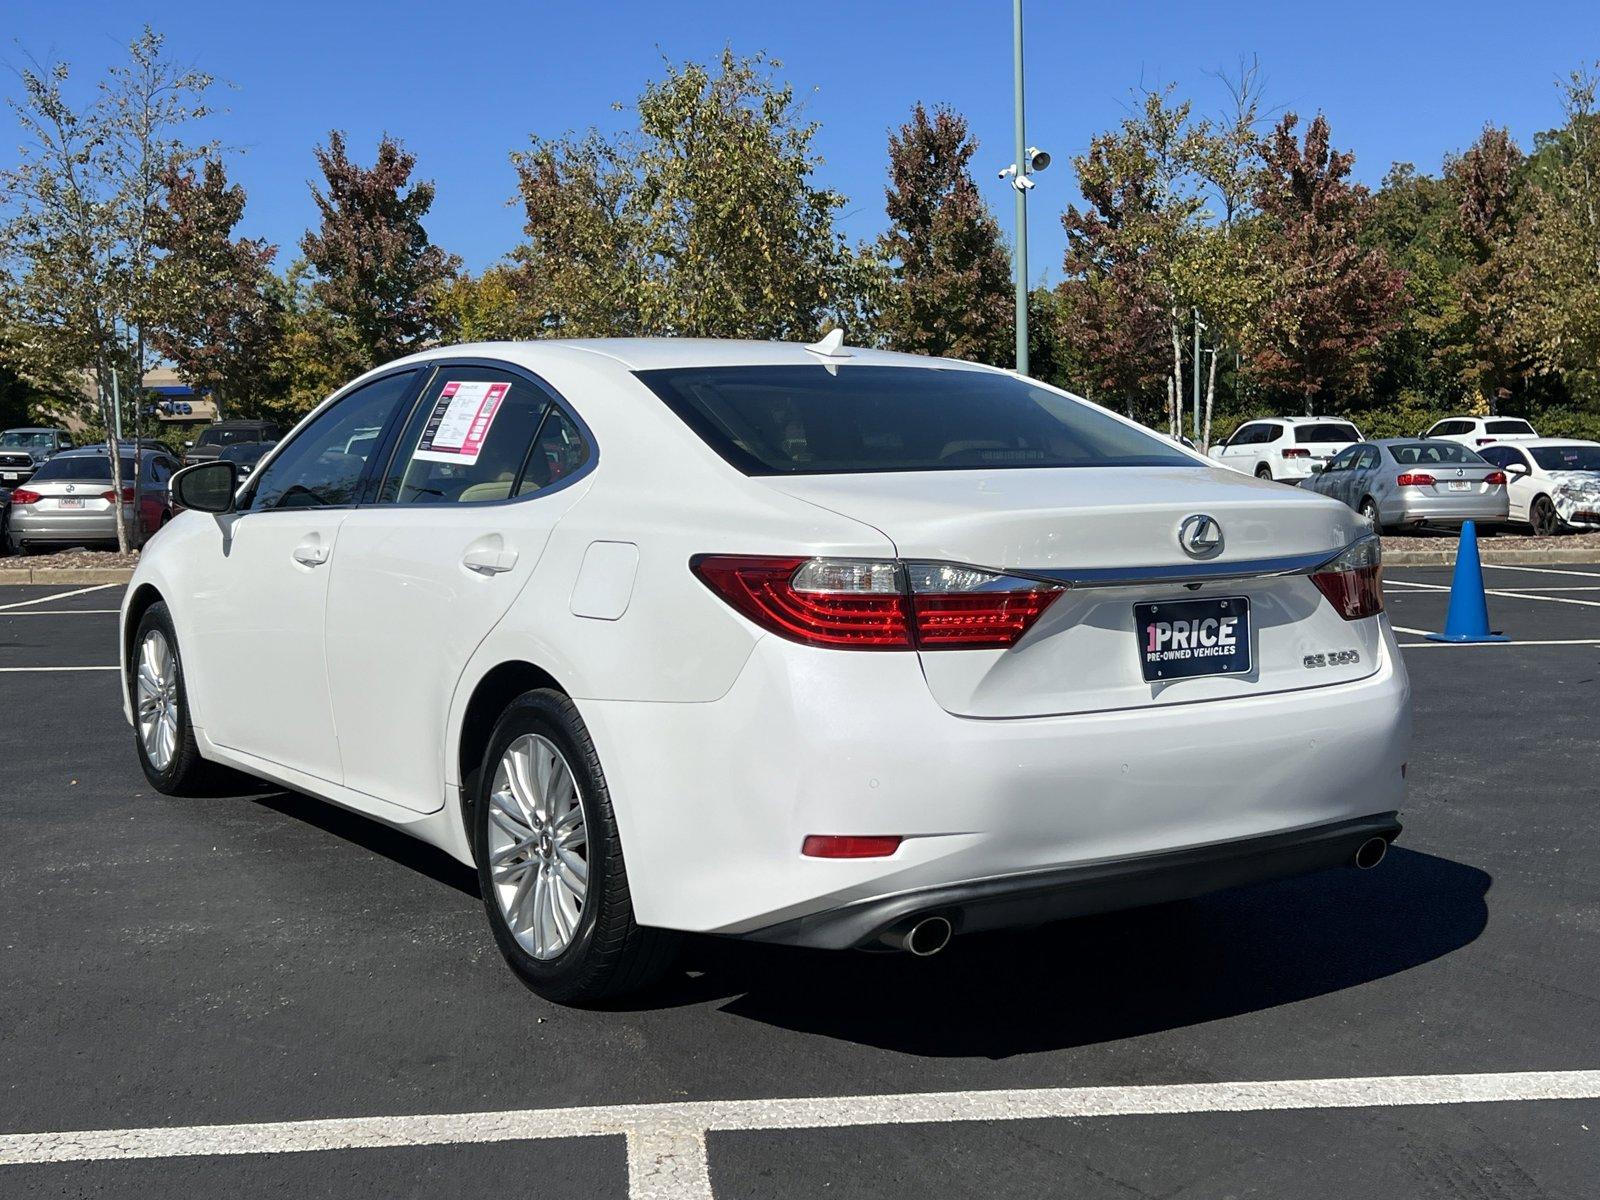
(1115, 531)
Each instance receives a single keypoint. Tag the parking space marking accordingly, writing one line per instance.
(1508, 645)
(83, 591)
(1543, 570)
(22, 670)
(98, 612)
(666, 1142)
(1440, 587)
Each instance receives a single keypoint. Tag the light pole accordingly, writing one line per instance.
(1029, 160)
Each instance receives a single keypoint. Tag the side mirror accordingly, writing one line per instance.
(1317, 468)
(1517, 469)
(207, 487)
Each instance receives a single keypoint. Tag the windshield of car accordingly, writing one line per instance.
(227, 437)
(94, 468)
(1333, 431)
(813, 420)
(1409, 454)
(1567, 458)
(1507, 427)
(16, 438)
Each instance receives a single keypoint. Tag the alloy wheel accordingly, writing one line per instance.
(538, 845)
(157, 688)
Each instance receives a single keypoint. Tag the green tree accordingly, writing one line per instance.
(371, 276)
(216, 316)
(78, 232)
(1331, 299)
(950, 290)
(705, 221)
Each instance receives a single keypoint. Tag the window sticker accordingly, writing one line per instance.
(460, 422)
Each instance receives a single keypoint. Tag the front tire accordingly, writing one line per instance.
(550, 863)
(162, 733)
(1544, 518)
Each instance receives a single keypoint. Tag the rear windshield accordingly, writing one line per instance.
(1333, 431)
(813, 420)
(227, 437)
(1409, 454)
(94, 468)
(1567, 458)
(1507, 427)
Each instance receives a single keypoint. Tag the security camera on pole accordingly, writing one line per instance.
(1030, 160)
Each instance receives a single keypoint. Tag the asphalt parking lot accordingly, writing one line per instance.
(313, 983)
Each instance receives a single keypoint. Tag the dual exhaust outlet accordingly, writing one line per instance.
(926, 936)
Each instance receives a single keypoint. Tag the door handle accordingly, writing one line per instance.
(488, 561)
(311, 554)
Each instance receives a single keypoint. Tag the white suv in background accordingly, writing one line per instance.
(1284, 448)
(1480, 431)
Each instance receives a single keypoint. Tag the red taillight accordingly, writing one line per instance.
(110, 496)
(1485, 441)
(831, 846)
(1353, 582)
(1296, 452)
(877, 605)
(1495, 477)
(1415, 479)
(24, 496)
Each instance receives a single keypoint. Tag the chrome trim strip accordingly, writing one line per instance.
(1187, 572)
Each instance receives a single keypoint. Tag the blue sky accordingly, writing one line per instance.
(463, 84)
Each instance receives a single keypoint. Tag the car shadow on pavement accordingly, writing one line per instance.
(1099, 979)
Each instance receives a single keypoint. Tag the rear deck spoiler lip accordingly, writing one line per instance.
(1190, 572)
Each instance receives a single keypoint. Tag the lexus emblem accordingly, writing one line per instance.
(1200, 536)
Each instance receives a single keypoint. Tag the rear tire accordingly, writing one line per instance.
(550, 863)
(1264, 472)
(1544, 518)
(163, 736)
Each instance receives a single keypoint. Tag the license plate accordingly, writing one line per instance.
(70, 502)
(1460, 485)
(1179, 639)
(9, 476)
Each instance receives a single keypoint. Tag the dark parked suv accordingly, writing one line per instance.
(214, 438)
(23, 450)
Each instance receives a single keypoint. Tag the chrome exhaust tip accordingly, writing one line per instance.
(924, 937)
(1370, 853)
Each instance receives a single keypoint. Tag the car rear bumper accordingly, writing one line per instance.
(714, 800)
(1080, 890)
(1445, 510)
(84, 526)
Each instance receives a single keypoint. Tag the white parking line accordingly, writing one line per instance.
(666, 1142)
(1483, 645)
(99, 587)
(22, 670)
(98, 612)
(1543, 570)
(1439, 587)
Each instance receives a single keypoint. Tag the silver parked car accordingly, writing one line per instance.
(1399, 482)
(70, 502)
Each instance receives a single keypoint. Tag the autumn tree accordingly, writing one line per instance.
(1331, 299)
(369, 287)
(216, 315)
(950, 290)
(78, 234)
(704, 221)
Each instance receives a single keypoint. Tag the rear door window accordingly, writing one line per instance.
(470, 439)
(797, 419)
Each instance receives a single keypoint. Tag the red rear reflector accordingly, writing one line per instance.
(24, 496)
(1415, 479)
(1296, 452)
(1485, 441)
(1353, 582)
(1494, 477)
(829, 846)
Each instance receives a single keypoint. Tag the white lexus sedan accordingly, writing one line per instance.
(807, 644)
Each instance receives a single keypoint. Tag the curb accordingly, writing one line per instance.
(1487, 554)
(78, 575)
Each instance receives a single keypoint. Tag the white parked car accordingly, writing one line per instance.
(1477, 432)
(1285, 448)
(1554, 482)
(818, 646)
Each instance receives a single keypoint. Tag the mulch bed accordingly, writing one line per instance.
(104, 560)
(1509, 539)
